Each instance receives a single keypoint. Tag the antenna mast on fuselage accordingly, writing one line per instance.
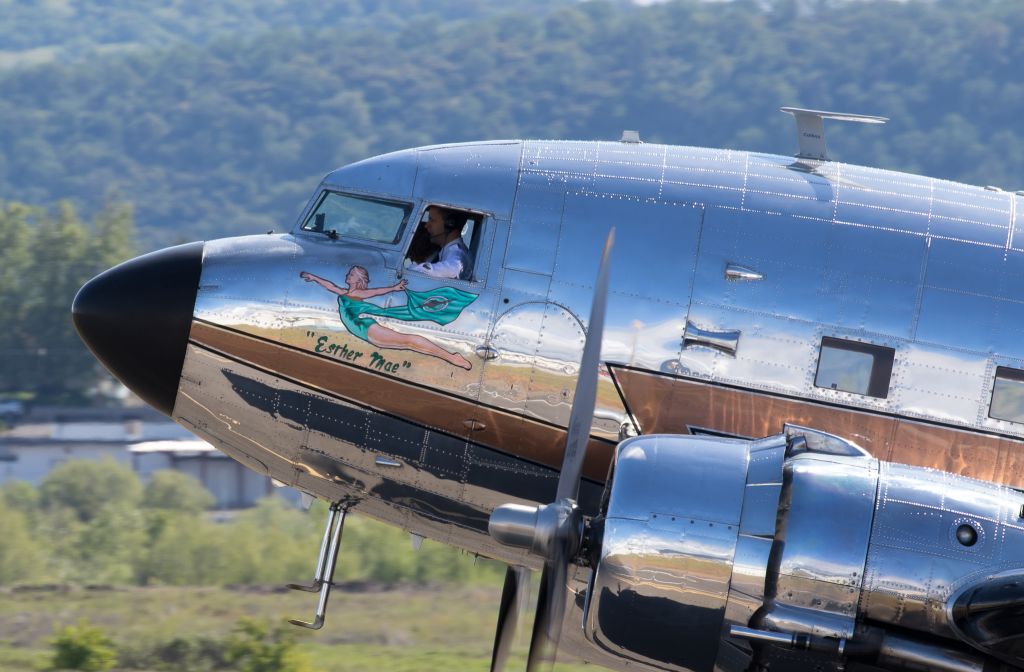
(810, 129)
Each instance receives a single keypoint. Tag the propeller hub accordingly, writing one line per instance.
(536, 528)
(514, 525)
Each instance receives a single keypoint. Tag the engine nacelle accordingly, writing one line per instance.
(803, 539)
(687, 538)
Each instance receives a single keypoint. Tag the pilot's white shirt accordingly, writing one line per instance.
(453, 261)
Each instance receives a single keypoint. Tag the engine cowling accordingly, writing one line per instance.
(676, 552)
(710, 551)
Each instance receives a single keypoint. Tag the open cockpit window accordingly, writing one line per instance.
(357, 217)
(852, 366)
(446, 243)
(1008, 395)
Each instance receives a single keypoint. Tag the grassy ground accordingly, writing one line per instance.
(399, 629)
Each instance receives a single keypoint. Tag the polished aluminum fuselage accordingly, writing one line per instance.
(926, 267)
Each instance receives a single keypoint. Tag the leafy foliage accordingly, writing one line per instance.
(76, 29)
(258, 648)
(219, 118)
(230, 137)
(400, 629)
(179, 653)
(92, 523)
(87, 487)
(19, 495)
(177, 491)
(45, 258)
(19, 553)
(83, 647)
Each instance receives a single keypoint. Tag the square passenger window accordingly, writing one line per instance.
(1008, 395)
(852, 366)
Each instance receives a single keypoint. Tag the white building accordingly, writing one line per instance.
(147, 443)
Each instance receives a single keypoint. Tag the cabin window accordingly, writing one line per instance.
(1008, 395)
(852, 366)
(357, 217)
(426, 249)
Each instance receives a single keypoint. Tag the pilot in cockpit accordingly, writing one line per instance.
(452, 258)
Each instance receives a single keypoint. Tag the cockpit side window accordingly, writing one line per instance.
(446, 243)
(1008, 395)
(351, 216)
(853, 366)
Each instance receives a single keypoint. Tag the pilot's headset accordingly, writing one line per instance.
(453, 221)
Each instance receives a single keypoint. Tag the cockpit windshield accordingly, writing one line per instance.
(357, 217)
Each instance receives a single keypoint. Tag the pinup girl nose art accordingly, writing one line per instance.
(442, 306)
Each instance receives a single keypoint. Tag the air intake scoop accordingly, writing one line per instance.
(990, 616)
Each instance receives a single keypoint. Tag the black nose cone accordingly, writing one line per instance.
(136, 319)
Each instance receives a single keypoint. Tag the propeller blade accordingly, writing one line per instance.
(555, 530)
(585, 397)
(547, 624)
(508, 618)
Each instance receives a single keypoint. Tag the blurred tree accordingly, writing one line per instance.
(20, 495)
(87, 487)
(169, 541)
(83, 647)
(15, 260)
(44, 261)
(230, 136)
(271, 543)
(59, 267)
(58, 531)
(114, 239)
(176, 491)
(256, 647)
(187, 551)
(20, 555)
(110, 546)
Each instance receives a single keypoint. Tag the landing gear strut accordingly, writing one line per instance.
(323, 576)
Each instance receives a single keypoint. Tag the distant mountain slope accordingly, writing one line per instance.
(33, 31)
(232, 136)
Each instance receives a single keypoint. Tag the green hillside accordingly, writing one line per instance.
(229, 133)
(209, 119)
(70, 30)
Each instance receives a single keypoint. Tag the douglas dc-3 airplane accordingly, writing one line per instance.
(797, 443)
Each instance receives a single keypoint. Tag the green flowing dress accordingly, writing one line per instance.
(442, 306)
